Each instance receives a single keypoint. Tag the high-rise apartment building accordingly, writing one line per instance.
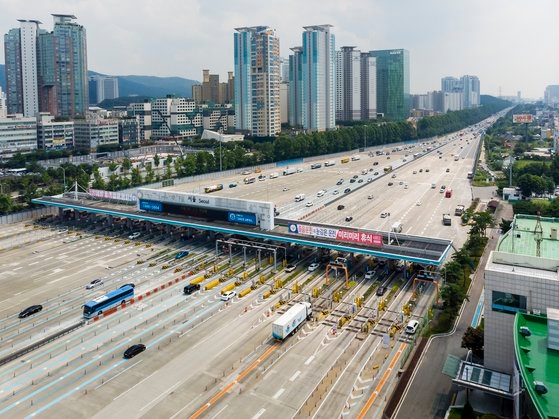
(318, 63)
(551, 95)
(355, 85)
(294, 113)
(393, 83)
(47, 71)
(471, 91)
(211, 91)
(462, 93)
(257, 81)
(20, 50)
(101, 88)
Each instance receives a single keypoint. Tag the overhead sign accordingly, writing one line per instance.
(522, 118)
(337, 234)
(151, 205)
(241, 218)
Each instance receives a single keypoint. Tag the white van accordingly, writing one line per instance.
(397, 227)
(321, 193)
(300, 197)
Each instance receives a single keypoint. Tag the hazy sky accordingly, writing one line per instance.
(511, 45)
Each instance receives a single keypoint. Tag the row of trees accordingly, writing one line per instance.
(17, 192)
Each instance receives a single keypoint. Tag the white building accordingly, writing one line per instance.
(521, 275)
(54, 135)
(177, 114)
(89, 134)
(318, 65)
(3, 108)
(17, 134)
(29, 32)
(142, 113)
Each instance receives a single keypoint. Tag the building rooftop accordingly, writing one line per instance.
(521, 238)
(537, 363)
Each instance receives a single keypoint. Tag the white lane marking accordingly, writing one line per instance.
(294, 376)
(308, 361)
(279, 393)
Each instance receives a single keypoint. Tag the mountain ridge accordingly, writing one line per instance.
(139, 85)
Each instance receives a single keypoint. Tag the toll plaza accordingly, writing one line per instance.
(255, 220)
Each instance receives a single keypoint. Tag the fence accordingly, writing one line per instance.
(31, 214)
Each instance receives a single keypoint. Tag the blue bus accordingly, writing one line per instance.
(112, 299)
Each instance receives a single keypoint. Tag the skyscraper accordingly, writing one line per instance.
(47, 71)
(470, 86)
(294, 113)
(257, 81)
(393, 83)
(355, 85)
(318, 61)
(20, 49)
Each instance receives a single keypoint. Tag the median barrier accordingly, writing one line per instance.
(244, 292)
(227, 288)
(211, 285)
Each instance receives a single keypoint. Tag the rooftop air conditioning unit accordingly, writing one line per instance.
(540, 387)
(524, 331)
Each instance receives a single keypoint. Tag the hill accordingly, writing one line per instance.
(133, 85)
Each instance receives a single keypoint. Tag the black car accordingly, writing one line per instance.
(30, 310)
(134, 350)
(347, 190)
(352, 181)
(341, 207)
(349, 218)
(190, 288)
(381, 291)
(339, 182)
(390, 183)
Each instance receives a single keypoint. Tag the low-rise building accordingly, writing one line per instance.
(18, 134)
(52, 134)
(89, 134)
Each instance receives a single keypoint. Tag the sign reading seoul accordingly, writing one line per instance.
(241, 218)
(337, 234)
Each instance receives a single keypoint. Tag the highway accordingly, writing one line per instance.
(211, 358)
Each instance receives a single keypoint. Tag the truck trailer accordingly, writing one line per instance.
(289, 171)
(290, 321)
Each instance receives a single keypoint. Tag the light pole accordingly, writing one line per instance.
(64, 178)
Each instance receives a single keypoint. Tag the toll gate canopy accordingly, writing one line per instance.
(390, 245)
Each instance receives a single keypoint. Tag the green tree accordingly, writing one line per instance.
(156, 160)
(453, 295)
(7, 204)
(136, 177)
(473, 340)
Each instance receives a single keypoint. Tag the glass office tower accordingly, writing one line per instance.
(393, 83)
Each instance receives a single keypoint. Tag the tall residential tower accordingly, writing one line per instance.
(318, 64)
(257, 81)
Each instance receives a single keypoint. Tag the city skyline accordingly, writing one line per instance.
(504, 43)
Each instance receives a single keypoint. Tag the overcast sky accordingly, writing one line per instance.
(511, 45)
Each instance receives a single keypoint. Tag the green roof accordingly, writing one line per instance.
(537, 363)
(520, 239)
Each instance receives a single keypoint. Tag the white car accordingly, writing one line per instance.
(309, 204)
(134, 235)
(369, 274)
(290, 268)
(313, 267)
(336, 192)
(370, 197)
(228, 295)
(94, 284)
(412, 326)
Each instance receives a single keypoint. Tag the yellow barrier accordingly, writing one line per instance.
(244, 292)
(266, 294)
(197, 280)
(211, 285)
(227, 288)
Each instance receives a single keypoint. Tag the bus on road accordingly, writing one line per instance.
(250, 179)
(345, 160)
(105, 302)
(213, 188)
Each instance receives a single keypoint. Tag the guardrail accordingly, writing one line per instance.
(38, 344)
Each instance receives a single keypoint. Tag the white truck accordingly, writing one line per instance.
(329, 163)
(273, 175)
(397, 227)
(289, 171)
(300, 197)
(291, 320)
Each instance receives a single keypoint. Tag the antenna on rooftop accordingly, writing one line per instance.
(538, 235)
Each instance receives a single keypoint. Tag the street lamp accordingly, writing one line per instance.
(64, 178)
